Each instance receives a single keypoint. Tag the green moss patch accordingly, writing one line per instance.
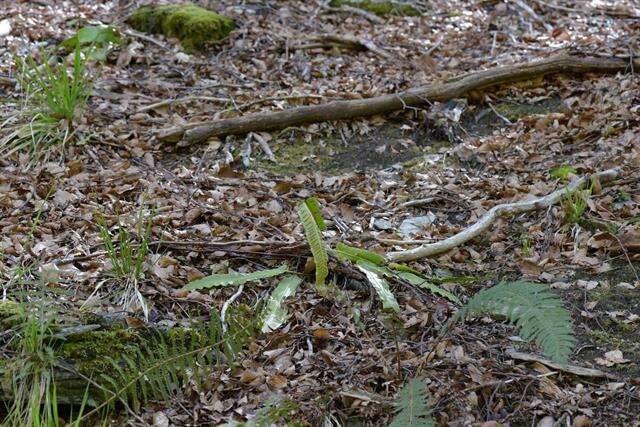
(93, 351)
(193, 25)
(380, 8)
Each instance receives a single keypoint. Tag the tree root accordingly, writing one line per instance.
(416, 97)
(496, 212)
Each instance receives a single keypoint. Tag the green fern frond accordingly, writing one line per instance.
(275, 313)
(420, 281)
(229, 279)
(354, 254)
(165, 362)
(534, 309)
(314, 207)
(375, 275)
(316, 243)
(413, 406)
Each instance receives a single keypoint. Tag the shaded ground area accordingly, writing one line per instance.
(396, 141)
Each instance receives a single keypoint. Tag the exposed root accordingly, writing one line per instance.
(496, 212)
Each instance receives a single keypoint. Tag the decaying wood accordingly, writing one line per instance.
(344, 42)
(416, 97)
(349, 10)
(496, 212)
(572, 369)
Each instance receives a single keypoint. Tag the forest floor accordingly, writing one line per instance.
(227, 204)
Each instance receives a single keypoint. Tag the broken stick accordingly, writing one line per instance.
(496, 212)
(416, 97)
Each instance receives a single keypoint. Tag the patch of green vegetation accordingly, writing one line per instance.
(92, 351)
(562, 172)
(193, 25)
(380, 8)
(575, 205)
(55, 96)
(296, 156)
(515, 111)
(11, 314)
(610, 339)
(384, 146)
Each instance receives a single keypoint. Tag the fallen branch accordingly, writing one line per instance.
(345, 42)
(572, 369)
(496, 212)
(371, 17)
(416, 97)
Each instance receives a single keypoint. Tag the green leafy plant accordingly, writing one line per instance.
(562, 173)
(164, 363)
(534, 309)
(127, 254)
(58, 91)
(275, 313)
(412, 404)
(376, 277)
(31, 370)
(96, 41)
(55, 93)
(367, 260)
(575, 205)
(312, 229)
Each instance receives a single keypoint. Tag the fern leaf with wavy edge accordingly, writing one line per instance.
(375, 277)
(314, 207)
(353, 254)
(420, 281)
(274, 313)
(216, 280)
(413, 405)
(316, 243)
(534, 309)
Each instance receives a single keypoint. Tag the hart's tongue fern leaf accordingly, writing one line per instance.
(534, 309)
(316, 243)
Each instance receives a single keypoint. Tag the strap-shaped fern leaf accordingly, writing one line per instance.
(216, 280)
(275, 313)
(375, 275)
(354, 254)
(314, 207)
(417, 280)
(413, 406)
(533, 308)
(314, 238)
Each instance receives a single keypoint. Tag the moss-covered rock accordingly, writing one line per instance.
(193, 25)
(380, 8)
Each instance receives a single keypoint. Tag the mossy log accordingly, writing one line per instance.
(86, 354)
(193, 25)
